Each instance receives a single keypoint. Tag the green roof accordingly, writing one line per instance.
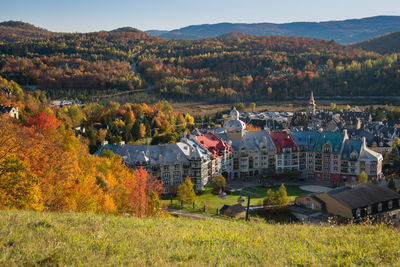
(334, 139)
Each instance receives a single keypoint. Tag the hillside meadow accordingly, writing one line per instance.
(58, 239)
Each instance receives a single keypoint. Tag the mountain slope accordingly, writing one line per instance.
(13, 31)
(388, 43)
(345, 32)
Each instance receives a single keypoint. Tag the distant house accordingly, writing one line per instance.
(235, 211)
(10, 111)
(6, 91)
(354, 202)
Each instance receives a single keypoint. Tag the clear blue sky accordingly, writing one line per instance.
(94, 15)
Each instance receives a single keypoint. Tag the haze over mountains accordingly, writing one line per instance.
(344, 32)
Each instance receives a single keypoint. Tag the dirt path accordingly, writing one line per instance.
(192, 215)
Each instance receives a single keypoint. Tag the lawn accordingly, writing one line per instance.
(261, 191)
(214, 202)
(72, 239)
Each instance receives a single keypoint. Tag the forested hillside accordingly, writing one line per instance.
(13, 31)
(388, 43)
(232, 68)
(342, 31)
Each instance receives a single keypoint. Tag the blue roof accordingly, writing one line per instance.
(112, 148)
(306, 138)
(349, 147)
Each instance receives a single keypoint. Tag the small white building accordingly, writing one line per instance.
(11, 111)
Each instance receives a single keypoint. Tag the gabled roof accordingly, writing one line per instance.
(306, 138)
(283, 140)
(335, 139)
(237, 208)
(351, 149)
(363, 195)
(253, 140)
(5, 109)
(213, 143)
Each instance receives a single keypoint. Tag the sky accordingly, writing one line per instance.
(95, 15)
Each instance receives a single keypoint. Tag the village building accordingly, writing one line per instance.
(354, 202)
(287, 152)
(10, 111)
(357, 158)
(234, 211)
(170, 163)
(253, 151)
(306, 141)
(222, 162)
(327, 156)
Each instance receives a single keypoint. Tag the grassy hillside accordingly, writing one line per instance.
(28, 238)
(388, 43)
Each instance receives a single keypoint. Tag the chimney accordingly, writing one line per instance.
(345, 134)
(364, 142)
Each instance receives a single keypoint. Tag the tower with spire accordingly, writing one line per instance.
(311, 105)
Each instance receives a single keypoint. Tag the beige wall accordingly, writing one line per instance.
(334, 207)
(307, 201)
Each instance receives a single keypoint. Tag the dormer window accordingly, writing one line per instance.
(353, 155)
(327, 148)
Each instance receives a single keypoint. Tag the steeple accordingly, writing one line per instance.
(311, 105)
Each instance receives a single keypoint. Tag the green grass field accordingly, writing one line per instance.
(54, 239)
(213, 202)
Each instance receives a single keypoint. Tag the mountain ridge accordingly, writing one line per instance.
(387, 43)
(342, 31)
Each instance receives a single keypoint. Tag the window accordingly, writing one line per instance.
(390, 204)
(369, 210)
(176, 166)
(358, 213)
(166, 168)
(380, 207)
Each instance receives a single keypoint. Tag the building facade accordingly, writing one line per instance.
(170, 163)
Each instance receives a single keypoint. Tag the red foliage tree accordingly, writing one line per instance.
(44, 121)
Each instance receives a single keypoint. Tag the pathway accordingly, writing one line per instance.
(192, 215)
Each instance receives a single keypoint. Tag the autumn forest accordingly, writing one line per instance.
(230, 68)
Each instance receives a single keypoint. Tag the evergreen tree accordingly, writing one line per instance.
(136, 131)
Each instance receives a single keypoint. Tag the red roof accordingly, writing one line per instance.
(283, 140)
(215, 145)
